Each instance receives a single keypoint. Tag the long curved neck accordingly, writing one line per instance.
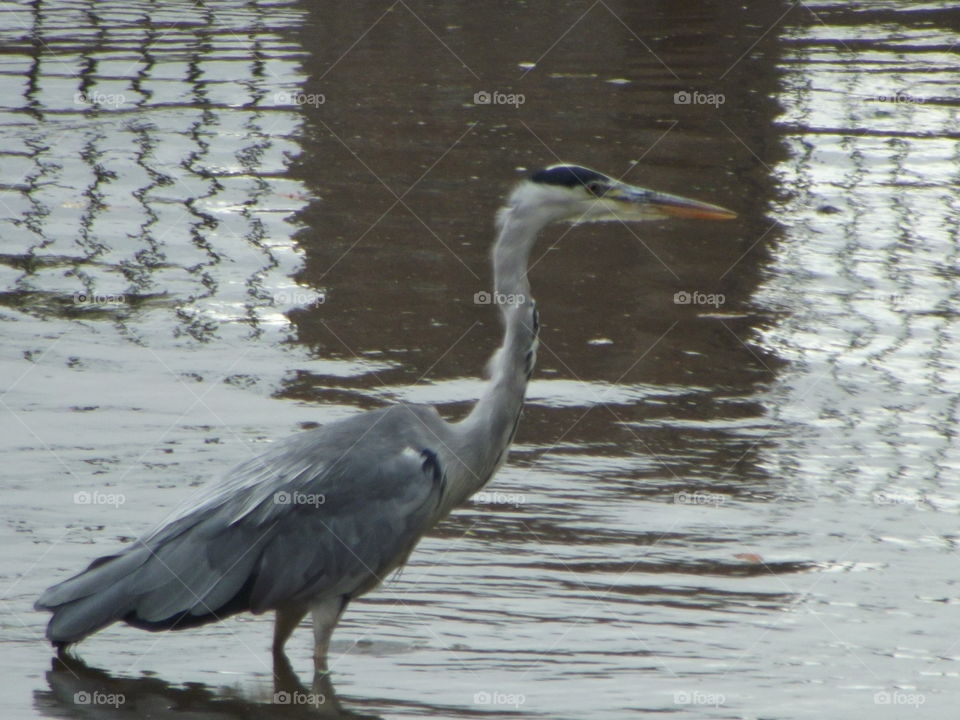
(485, 434)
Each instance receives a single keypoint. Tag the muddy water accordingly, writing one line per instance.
(734, 490)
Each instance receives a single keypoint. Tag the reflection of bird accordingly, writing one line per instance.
(324, 516)
(72, 682)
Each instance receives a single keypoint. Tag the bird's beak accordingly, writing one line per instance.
(657, 204)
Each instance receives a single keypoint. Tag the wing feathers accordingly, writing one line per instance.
(329, 512)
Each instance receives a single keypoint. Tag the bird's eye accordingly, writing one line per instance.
(596, 188)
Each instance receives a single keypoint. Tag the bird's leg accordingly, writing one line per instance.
(325, 616)
(287, 620)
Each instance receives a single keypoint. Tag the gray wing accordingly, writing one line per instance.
(325, 513)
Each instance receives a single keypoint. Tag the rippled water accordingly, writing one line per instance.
(735, 487)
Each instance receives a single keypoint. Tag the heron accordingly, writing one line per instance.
(322, 517)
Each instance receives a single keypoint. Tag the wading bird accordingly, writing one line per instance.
(324, 516)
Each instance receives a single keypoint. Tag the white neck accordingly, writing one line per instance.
(485, 434)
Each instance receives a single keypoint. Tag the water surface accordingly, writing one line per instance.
(734, 490)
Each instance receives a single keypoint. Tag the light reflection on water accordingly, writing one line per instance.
(734, 511)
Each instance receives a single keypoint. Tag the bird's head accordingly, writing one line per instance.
(570, 193)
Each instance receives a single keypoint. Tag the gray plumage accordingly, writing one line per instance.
(324, 516)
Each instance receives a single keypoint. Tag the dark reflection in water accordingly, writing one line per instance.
(76, 688)
(735, 485)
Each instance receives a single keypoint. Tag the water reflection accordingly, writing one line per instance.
(143, 169)
(78, 690)
(873, 227)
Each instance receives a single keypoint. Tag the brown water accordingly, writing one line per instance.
(743, 506)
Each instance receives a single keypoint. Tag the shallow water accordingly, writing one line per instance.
(734, 490)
